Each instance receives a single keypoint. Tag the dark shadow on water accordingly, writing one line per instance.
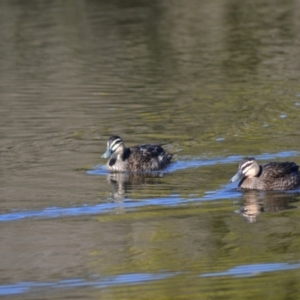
(253, 202)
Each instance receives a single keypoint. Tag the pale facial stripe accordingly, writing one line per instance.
(246, 166)
(115, 144)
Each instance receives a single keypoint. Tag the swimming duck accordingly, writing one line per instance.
(271, 176)
(140, 158)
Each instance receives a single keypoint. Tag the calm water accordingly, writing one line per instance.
(217, 80)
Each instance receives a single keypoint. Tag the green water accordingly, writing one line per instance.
(215, 80)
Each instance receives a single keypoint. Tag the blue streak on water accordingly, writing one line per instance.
(228, 192)
(196, 163)
(255, 269)
(173, 200)
(99, 282)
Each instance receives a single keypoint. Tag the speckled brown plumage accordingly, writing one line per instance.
(141, 158)
(270, 176)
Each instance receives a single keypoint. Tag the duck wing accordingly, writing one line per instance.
(149, 150)
(280, 169)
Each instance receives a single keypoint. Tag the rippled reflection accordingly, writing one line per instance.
(257, 202)
(219, 79)
(124, 183)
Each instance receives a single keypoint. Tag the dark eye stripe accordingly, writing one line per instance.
(114, 143)
(246, 165)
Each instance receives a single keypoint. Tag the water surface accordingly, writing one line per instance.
(215, 80)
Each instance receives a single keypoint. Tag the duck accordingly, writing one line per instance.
(270, 176)
(140, 158)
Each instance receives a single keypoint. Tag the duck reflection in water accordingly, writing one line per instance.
(257, 202)
(123, 184)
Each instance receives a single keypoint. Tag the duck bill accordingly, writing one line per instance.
(237, 176)
(106, 154)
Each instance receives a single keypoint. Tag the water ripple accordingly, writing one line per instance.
(255, 269)
(56, 212)
(196, 163)
(97, 281)
(101, 282)
(226, 192)
(128, 204)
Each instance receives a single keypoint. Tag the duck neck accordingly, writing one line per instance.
(260, 171)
